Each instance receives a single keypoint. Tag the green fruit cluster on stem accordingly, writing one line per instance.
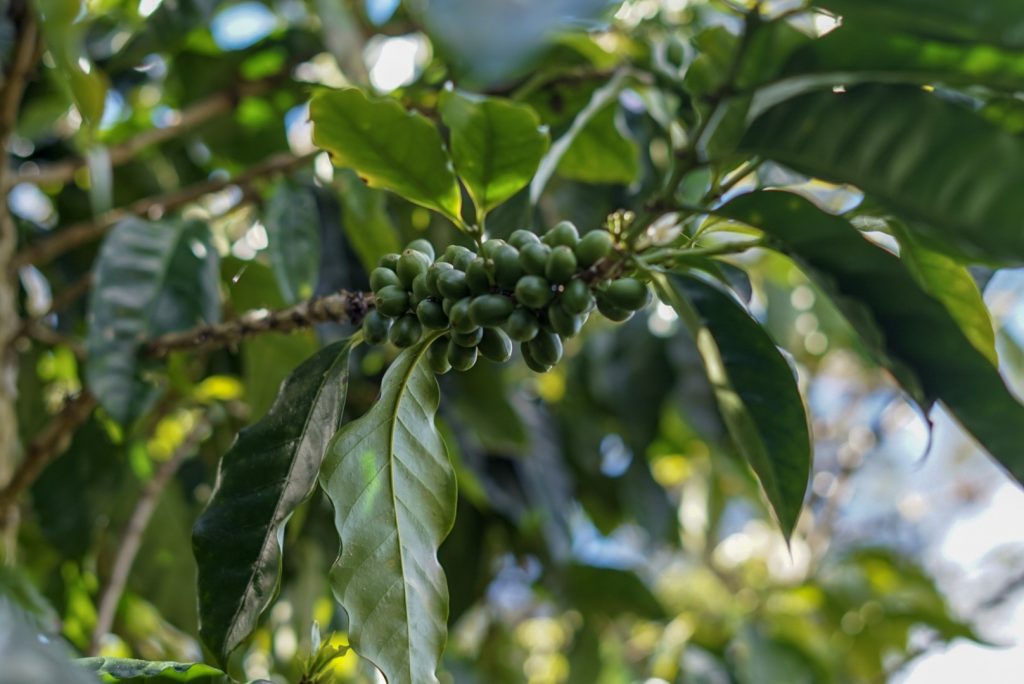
(535, 290)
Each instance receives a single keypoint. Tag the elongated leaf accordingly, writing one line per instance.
(365, 220)
(26, 657)
(293, 243)
(601, 153)
(755, 388)
(496, 145)
(65, 35)
(271, 468)
(949, 173)
(1000, 22)
(114, 669)
(387, 146)
(952, 284)
(393, 491)
(908, 330)
(151, 278)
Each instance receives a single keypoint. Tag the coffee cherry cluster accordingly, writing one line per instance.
(529, 289)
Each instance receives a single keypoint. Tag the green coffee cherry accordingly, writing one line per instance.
(520, 238)
(452, 284)
(531, 362)
(612, 312)
(561, 265)
(458, 256)
(626, 293)
(533, 291)
(563, 322)
(534, 258)
(576, 298)
(522, 325)
(375, 327)
(546, 348)
(461, 358)
(420, 291)
(437, 356)
(459, 316)
(406, 331)
(491, 247)
(477, 277)
(563, 233)
(422, 246)
(381, 277)
(491, 309)
(433, 273)
(592, 247)
(392, 301)
(507, 268)
(432, 315)
(389, 260)
(495, 345)
(410, 265)
(468, 339)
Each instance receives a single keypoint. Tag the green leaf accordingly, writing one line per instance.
(755, 388)
(1000, 22)
(393, 490)
(388, 147)
(271, 468)
(65, 37)
(293, 241)
(610, 592)
(151, 278)
(115, 669)
(909, 331)
(952, 284)
(29, 658)
(496, 145)
(952, 175)
(365, 220)
(601, 152)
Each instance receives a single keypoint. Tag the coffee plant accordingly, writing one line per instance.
(235, 411)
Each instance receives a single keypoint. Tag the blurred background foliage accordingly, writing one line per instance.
(606, 530)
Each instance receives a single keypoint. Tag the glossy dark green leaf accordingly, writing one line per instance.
(601, 152)
(269, 471)
(29, 658)
(610, 592)
(756, 391)
(909, 331)
(151, 278)
(388, 147)
(1000, 22)
(496, 145)
(949, 173)
(393, 490)
(365, 220)
(116, 669)
(291, 219)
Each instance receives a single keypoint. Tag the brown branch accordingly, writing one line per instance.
(338, 307)
(190, 118)
(82, 233)
(50, 443)
(131, 540)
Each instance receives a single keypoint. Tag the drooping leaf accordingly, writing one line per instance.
(271, 468)
(496, 145)
(365, 220)
(601, 153)
(952, 284)
(999, 22)
(293, 243)
(26, 657)
(387, 146)
(65, 37)
(117, 669)
(151, 278)
(909, 331)
(949, 173)
(755, 388)
(393, 490)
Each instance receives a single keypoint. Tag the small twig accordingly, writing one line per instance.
(189, 118)
(131, 540)
(50, 443)
(339, 307)
(78, 234)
